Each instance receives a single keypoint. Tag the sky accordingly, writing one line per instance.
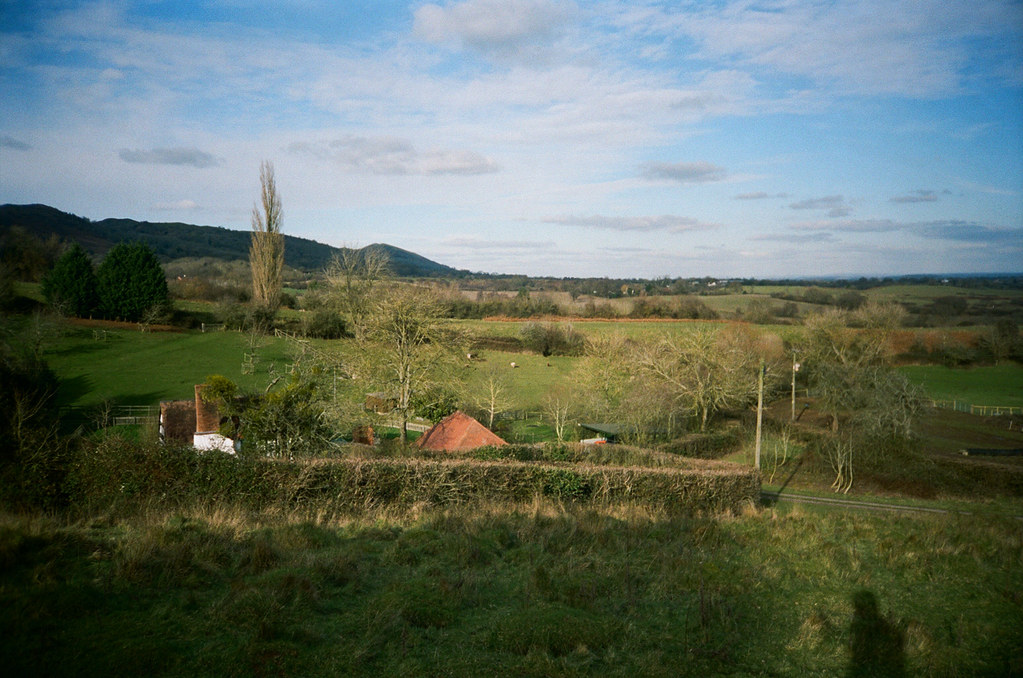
(615, 138)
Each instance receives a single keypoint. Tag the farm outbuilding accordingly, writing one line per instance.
(194, 421)
(458, 432)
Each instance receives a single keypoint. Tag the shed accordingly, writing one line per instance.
(458, 432)
(609, 432)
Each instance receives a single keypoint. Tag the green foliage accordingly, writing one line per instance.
(324, 323)
(130, 282)
(285, 422)
(709, 445)
(71, 286)
(31, 456)
(25, 255)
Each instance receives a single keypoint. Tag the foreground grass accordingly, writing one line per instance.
(504, 590)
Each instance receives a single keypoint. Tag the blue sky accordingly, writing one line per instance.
(622, 138)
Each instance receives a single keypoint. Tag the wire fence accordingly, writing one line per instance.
(102, 416)
(982, 410)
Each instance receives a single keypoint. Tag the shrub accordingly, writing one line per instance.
(324, 323)
(553, 339)
(712, 445)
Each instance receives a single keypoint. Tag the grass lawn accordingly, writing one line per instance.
(994, 385)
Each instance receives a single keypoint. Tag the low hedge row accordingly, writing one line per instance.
(712, 445)
(127, 477)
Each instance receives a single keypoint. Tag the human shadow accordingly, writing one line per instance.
(876, 645)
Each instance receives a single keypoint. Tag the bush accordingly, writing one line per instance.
(323, 323)
(553, 339)
(706, 445)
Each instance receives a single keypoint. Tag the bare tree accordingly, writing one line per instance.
(558, 405)
(490, 393)
(266, 255)
(705, 371)
(351, 277)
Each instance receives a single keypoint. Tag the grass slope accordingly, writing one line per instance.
(128, 367)
(528, 591)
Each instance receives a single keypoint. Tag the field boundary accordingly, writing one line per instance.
(982, 410)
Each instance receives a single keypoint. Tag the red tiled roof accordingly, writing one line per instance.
(458, 432)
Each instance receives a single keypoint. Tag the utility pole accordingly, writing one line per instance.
(760, 410)
(795, 368)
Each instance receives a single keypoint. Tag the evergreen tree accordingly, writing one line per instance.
(130, 282)
(70, 287)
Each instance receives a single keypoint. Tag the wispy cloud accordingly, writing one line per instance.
(759, 195)
(13, 144)
(922, 195)
(474, 243)
(971, 232)
(683, 172)
(392, 155)
(835, 205)
(192, 157)
(174, 206)
(507, 29)
(665, 222)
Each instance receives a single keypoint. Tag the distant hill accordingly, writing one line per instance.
(178, 240)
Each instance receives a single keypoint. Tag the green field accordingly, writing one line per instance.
(127, 367)
(1000, 385)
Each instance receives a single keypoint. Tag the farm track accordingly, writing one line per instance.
(772, 498)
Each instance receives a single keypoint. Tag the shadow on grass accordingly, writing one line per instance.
(877, 646)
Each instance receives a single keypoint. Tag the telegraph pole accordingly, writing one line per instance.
(760, 410)
(795, 368)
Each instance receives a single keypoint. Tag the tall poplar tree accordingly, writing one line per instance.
(266, 256)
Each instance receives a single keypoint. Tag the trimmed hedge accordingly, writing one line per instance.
(123, 477)
(712, 445)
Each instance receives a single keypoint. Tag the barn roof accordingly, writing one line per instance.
(458, 432)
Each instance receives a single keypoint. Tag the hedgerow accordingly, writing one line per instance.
(118, 476)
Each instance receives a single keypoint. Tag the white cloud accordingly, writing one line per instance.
(192, 157)
(834, 204)
(502, 28)
(392, 155)
(665, 222)
(684, 172)
(915, 196)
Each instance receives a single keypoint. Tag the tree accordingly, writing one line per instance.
(266, 255)
(70, 286)
(489, 393)
(846, 358)
(705, 371)
(409, 343)
(351, 277)
(130, 282)
(559, 405)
